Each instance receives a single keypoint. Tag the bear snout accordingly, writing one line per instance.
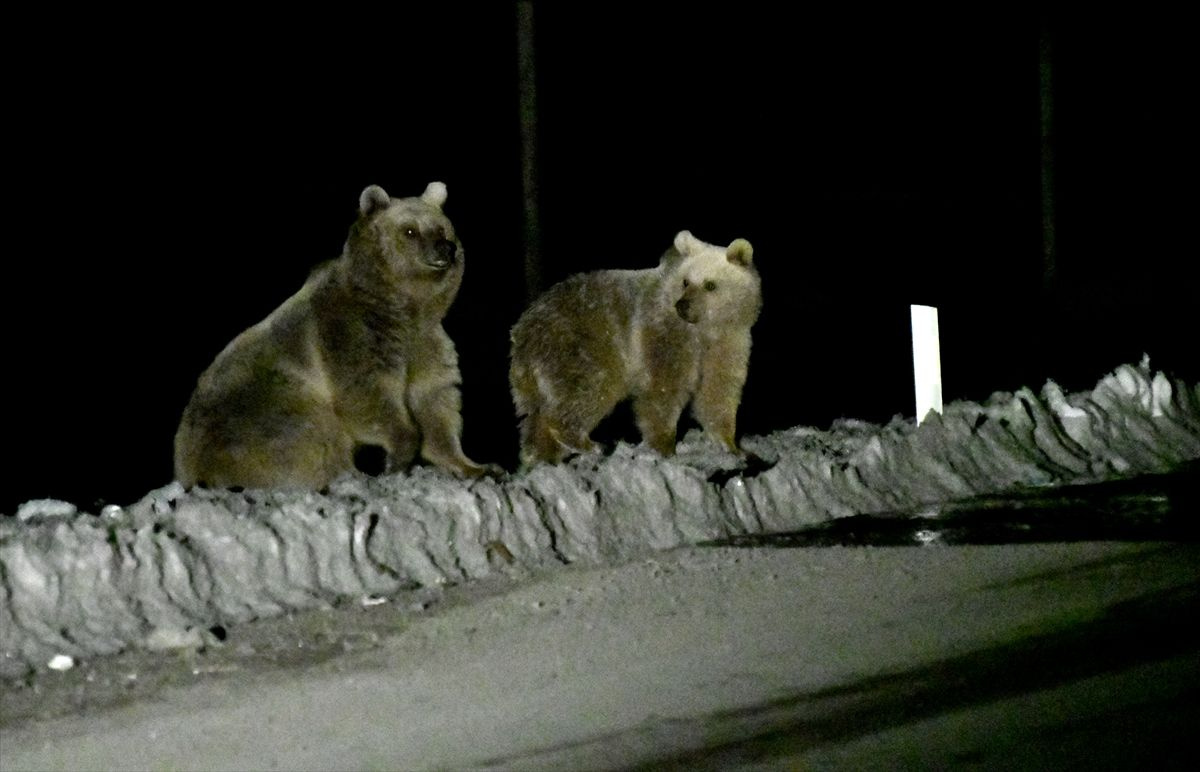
(444, 252)
(683, 307)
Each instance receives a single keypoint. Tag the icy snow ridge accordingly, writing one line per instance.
(175, 564)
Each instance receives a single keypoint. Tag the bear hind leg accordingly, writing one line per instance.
(305, 464)
(552, 442)
(561, 413)
(539, 442)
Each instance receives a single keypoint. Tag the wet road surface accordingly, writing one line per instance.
(1163, 507)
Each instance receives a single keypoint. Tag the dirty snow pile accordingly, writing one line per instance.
(165, 570)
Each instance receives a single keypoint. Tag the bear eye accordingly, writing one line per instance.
(686, 283)
(710, 285)
(411, 232)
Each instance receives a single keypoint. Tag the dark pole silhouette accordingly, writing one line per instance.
(527, 77)
(1046, 95)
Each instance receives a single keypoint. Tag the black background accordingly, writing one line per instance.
(173, 179)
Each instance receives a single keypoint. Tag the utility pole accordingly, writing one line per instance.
(527, 84)
(1046, 94)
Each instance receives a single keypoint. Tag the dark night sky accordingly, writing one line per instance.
(175, 187)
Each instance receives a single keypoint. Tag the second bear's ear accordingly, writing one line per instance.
(670, 258)
(373, 199)
(740, 252)
(435, 194)
(685, 242)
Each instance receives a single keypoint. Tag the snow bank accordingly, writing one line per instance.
(175, 564)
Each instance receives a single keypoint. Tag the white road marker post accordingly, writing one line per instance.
(927, 360)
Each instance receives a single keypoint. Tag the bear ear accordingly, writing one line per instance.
(373, 199)
(435, 194)
(670, 258)
(740, 253)
(686, 243)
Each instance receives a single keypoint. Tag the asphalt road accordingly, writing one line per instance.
(1075, 655)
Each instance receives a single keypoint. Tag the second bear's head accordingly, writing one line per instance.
(406, 244)
(711, 286)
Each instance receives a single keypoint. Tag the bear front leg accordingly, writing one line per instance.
(657, 415)
(379, 416)
(405, 440)
(722, 375)
(437, 410)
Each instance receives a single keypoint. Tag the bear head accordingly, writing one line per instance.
(714, 287)
(406, 246)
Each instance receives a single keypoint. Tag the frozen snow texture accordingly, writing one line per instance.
(176, 563)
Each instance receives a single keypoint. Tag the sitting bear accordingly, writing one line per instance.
(357, 359)
(664, 337)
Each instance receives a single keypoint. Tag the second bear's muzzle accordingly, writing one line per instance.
(683, 307)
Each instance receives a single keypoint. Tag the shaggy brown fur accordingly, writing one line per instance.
(357, 357)
(664, 337)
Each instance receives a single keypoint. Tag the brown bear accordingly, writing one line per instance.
(664, 337)
(356, 359)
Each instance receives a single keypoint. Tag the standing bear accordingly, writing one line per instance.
(356, 359)
(664, 337)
